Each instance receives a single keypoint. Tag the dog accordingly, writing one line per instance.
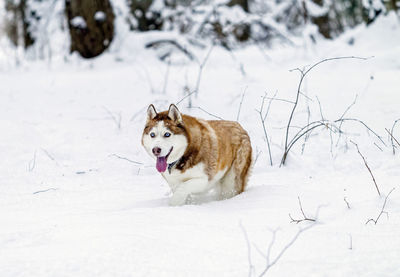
(196, 156)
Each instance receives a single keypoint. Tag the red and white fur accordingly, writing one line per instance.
(195, 156)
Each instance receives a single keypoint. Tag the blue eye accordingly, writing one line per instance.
(152, 135)
(167, 135)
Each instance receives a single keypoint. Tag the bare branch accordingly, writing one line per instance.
(257, 155)
(186, 96)
(240, 105)
(344, 113)
(365, 125)
(307, 129)
(46, 190)
(305, 218)
(201, 109)
(251, 266)
(126, 159)
(382, 210)
(172, 42)
(279, 99)
(377, 146)
(201, 67)
(303, 74)
(393, 139)
(347, 202)
(50, 156)
(263, 118)
(166, 76)
(269, 104)
(320, 109)
(366, 164)
(271, 243)
(350, 106)
(32, 163)
(351, 242)
(284, 249)
(391, 132)
(116, 120)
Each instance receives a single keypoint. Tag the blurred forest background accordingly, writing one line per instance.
(31, 25)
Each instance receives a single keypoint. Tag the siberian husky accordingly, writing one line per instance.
(195, 156)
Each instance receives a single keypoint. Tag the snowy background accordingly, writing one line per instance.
(80, 197)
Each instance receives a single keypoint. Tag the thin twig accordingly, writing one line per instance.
(32, 163)
(307, 136)
(208, 112)
(284, 249)
(365, 125)
(201, 67)
(391, 134)
(263, 119)
(305, 218)
(50, 156)
(186, 96)
(320, 108)
(269, 105)
(280, 99)
(382, 210)
(240, 104)
(46, 190)
(126, 159)
(172, 42)
(393, 139)
(377, 146)
(303, 74)
(344, 113)
(347, 202)
(257, 155)
(366, 164)
(166, 76)
(251, 266)
(270, 245)
(307, 129)
(116, 120)
(351, 242)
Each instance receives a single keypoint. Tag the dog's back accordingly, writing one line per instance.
(234, 150)
(224, 147)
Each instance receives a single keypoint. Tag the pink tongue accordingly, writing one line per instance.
(161, 164)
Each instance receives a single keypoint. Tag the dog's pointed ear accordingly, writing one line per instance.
(175, 114)
(151, 112)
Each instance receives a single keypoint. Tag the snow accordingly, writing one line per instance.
(315, 10)
(71, 207)
(79, 22)
(100, 16)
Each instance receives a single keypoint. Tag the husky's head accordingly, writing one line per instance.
(164, 136)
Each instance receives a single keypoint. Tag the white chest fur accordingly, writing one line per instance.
(176, 177)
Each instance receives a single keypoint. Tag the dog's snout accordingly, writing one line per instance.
(157, 151)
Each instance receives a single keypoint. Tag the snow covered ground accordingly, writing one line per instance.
(71, 205)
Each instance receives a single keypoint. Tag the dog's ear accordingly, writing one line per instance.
(174, 114)
(151, 112)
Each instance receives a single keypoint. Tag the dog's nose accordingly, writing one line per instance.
(156, 151)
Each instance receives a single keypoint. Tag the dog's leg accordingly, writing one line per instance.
(182, 192)
(228, 188)
(242, 165)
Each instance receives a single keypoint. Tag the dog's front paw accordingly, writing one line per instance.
(177, 200)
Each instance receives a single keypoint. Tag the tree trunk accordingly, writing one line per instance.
(394, 5)
(18, 27)
(91, 26)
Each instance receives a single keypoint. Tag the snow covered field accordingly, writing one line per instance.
(71, 205)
